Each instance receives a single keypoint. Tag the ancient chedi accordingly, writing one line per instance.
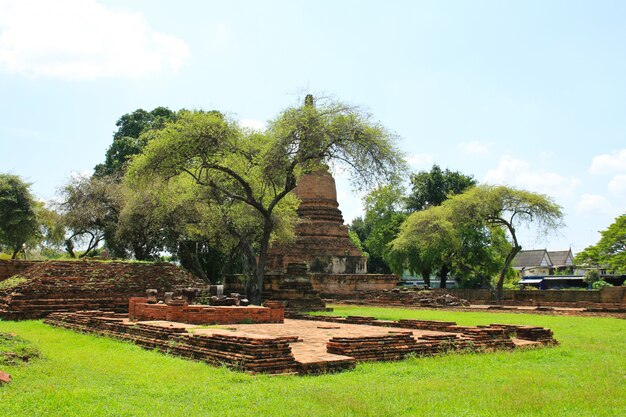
(322, 240)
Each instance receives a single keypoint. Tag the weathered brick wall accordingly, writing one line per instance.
(611, 295)
(84, 285)
(328, 285)
(616, 295)
(346, 284)
(140, 310)
(8, 268)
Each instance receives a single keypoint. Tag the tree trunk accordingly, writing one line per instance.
(189, 259)
(15, 252)
(259, 272)
(507, 263)
(69, 247)
(443, 275)
(426, 276)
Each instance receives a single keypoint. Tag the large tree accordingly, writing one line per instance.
(128, 139)
(482, 218)
(428, 189)
(258, 171)
(508, 209)
(432, 188)
(437, 239)
(91, 208)
(384, 213)
(610, 250)
(18, 218)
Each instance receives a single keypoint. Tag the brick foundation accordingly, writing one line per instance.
(140, 310)
(305, 346)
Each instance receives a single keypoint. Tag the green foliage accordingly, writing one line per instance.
(52, 229)
(592, 276)
(354, 238)
(128, 141)
(438, 238)
(18, 217)
(610, 251)
(91, 208)
(423, 255)
(383, 218)
(598, 285)
(507, 209)
(434, 187)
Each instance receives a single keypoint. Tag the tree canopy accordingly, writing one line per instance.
(127, 140)
(507, 209)
(18, 218)
(434, 187)
(250, 175)
(610, 251)
(387, 208)
(91, 207)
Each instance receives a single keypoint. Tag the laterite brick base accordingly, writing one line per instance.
(307, 345)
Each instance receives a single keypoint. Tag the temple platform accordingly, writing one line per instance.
(305, 345)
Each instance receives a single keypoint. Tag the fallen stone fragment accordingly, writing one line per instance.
(4, 378)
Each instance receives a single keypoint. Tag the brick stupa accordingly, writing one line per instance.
(322, 240)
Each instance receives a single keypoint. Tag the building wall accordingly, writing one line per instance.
(611, 295)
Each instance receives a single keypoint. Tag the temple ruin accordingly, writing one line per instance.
(322, 239)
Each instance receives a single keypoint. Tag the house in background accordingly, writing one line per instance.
(533, 263)
(562, 260)
(548, 269)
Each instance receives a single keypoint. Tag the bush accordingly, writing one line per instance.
(598, 285)
(591, 276)
(511, 286)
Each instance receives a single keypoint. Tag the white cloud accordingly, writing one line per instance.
(82, 39)
(593, 204)
(519, 173)
(617, 186)
(420, 160)
(606, 163)
(253, 124)
(474, 147)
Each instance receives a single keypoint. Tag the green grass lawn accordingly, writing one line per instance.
(83, 375)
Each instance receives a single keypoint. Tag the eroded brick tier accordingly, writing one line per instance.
(322, 238)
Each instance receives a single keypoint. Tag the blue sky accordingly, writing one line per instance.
(528, 93)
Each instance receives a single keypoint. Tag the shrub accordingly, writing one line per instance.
(591, 276)
(598, 285)
(15, 350)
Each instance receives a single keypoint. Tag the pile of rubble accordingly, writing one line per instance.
(423, 298)
(534, 333)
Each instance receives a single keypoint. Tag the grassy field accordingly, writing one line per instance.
(82, 375)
